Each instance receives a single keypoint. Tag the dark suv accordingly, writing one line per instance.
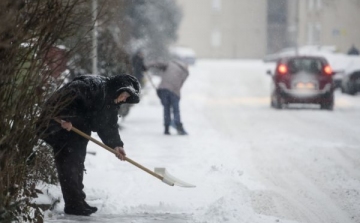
(303, 79)
(350, 84)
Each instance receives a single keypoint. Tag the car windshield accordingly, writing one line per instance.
(308, 65)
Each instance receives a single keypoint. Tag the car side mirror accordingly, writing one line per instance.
(268, 72)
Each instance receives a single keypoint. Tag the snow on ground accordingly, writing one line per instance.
(249, 163)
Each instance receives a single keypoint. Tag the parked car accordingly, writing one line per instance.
(185, 54)
(338, 78)
(338, 61)
(302, 79)
(350, 84)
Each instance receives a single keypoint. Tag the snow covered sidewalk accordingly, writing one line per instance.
(227, 161)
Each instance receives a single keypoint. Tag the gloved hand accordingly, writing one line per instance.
(66, 125)
(120, 153)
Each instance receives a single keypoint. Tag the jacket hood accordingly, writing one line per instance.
(120, 83)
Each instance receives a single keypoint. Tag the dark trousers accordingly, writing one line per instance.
(169, 100)
(69, 153)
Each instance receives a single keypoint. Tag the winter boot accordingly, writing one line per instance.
(94, 209)
(167, 132)
(78, 210)
(180, 129)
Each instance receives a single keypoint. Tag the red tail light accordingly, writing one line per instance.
(282, 69)
(328, 70)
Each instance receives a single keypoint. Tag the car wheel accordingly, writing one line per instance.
(351, 89)
(272, 103)
(343, 90)
(328, 105)
(277, 103)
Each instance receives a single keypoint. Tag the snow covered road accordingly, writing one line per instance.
(250, 163)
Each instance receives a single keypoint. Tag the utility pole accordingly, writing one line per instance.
(94, 38)
(297, 24)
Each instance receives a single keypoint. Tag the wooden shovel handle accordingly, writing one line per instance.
(150, 80)
(111, 150)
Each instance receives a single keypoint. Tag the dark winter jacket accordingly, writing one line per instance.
(138, 66)
(88, 103)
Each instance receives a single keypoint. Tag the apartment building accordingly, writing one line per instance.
(224, 28)
(329, 22)
(251, 29)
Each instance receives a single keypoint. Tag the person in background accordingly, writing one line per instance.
(90, 103)
(139, 67)
(173, 75)
(353, 50)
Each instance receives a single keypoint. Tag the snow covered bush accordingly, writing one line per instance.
(29, 31)
(29, 60)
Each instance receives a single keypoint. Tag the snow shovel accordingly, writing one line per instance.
(159, 173)
(150, 80)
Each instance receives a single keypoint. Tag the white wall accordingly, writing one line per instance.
(338, 22)
(224, 28)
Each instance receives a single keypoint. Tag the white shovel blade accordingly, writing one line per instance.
(171, 180)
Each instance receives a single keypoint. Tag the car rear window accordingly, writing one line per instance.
(308, 65)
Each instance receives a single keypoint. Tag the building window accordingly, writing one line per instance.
(318, 4)
(310, 34)
(314, 34)
(311, 4)
(216, 5)
(216, 38)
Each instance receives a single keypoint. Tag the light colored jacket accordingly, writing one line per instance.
(174, 76)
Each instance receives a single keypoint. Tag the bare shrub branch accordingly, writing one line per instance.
(29, 59)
